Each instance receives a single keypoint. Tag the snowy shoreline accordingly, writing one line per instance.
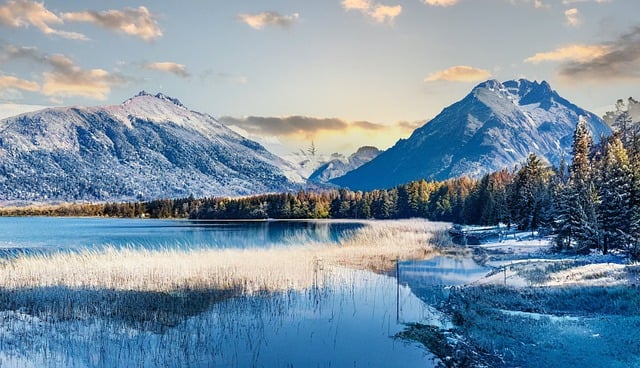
(537, 308)
(529, 260)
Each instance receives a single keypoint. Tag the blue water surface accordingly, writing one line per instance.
(57, 233)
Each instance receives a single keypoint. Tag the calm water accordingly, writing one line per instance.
(30, 233)
(349, 323)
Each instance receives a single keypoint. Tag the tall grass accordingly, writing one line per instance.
(375, 247)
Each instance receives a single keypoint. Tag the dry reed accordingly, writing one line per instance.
(376, 246)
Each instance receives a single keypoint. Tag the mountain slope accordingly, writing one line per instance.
(147, 147)
(497, 125)
(341, 165)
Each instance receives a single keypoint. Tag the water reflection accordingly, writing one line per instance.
(441, 271)
(430, 279)
(350, 323)
(20, 235)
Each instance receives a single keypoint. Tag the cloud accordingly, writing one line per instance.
(261, 20)
(138, 22)
(367, 125)
(229, 78)
(378, 12)
(66, 79)
(297, 125)
(573, 17)
(410, 126)
(290, 125)
(459, 73)
(169, 67)
(581, 53)
(617, 59)
(569, 2)
(11, 82)
(356, 4)
(441, 2)
(384, 13)
(25, 13)
(621, 61)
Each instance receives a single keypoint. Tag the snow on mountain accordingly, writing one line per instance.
(340, 165)
(150, 146)
(306, 164)
(495, 126)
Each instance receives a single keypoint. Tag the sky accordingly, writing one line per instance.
(338, 73)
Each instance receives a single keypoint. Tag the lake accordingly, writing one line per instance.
(351, 319)
(49, 233)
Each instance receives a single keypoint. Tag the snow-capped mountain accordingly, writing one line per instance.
(340, 165)
(497, 125)
(150, 146)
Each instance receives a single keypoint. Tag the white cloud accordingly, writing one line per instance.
(25, 13)
(573, 17)
(261, 20)
(569, 2)
(441, 2)
(459, 73)
(139, 22)
(169, 67)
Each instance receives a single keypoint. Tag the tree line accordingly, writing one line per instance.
(591, 203)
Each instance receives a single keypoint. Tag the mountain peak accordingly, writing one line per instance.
(497, 125)
(491, 84)
(160, 96)
(148, 147)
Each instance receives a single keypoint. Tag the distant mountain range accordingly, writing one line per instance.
(150, 146)
(340, 165)
(495, 126)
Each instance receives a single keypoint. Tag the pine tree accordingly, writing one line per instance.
(615, 182)
(582, 194)
(529, 192)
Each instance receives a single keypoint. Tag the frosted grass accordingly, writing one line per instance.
(374, 247)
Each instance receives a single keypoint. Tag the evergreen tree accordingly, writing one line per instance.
(615, 181)
(530, 194)
(582, 194)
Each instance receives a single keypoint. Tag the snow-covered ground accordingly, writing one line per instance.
(539, 308)
(526, 259)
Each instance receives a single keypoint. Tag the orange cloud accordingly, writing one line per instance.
(65, 78)
(459, 73)
(581, 53)
(68, 79)
(378, 12)
(7, 82)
